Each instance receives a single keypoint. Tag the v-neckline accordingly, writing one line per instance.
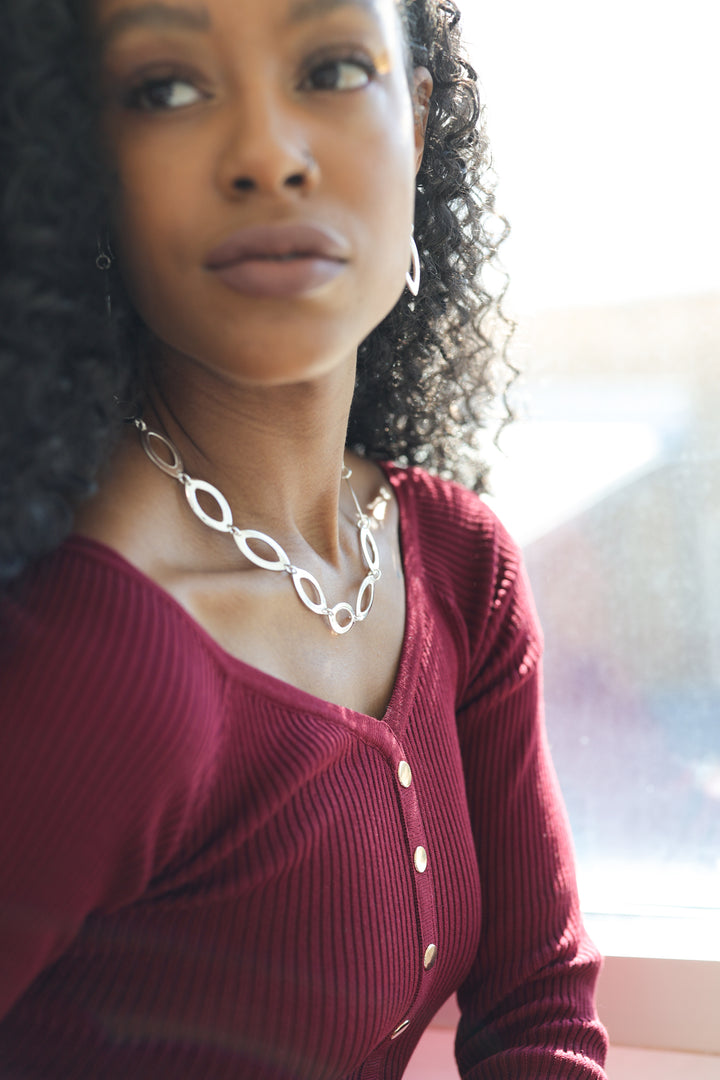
(276, 688)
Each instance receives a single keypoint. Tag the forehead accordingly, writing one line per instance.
(117, 15)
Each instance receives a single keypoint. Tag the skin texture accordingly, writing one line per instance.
(267, 113)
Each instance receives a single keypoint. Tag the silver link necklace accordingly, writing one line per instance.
(343, 616)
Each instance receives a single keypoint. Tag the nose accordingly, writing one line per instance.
(266, 149)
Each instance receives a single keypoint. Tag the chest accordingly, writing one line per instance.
(259, 619)
(326, 893)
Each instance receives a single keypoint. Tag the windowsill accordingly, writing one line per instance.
(632, 1063)
(661, 1016)
(434, 1060)
(661, 1004)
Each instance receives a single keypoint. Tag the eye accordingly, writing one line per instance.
(158, 94)
(345, 74)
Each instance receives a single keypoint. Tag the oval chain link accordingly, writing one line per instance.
(343, 616)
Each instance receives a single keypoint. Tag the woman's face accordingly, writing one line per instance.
(266, 153)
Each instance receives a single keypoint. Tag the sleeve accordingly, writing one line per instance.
(97, 767)
(528, 1009)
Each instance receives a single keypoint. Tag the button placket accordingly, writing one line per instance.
(425, 893)
(421, 859)
(379, 736)
(419, 853)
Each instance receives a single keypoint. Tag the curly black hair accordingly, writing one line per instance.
(426, 375)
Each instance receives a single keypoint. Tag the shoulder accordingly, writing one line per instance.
(89, 648)
(110, 738)
(468, 562)
(454, 530)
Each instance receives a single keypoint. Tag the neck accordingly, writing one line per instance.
(275, 452)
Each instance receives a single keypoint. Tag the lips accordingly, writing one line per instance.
(283, 241)
(279, 260)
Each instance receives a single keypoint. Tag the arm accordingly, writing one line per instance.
(528, 1009)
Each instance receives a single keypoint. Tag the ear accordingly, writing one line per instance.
(421, 94)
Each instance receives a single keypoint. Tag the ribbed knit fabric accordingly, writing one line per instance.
(206, 873)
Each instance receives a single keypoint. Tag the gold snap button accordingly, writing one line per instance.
(420, 859)
(430, 957)
(405, 774)
(400, 1028)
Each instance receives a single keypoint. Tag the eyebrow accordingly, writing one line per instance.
(154, 14)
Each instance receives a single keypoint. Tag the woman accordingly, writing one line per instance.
(274, 775)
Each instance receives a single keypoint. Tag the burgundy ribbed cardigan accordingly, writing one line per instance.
(206, 873)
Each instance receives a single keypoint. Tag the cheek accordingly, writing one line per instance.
(152, 204)
(379, 169)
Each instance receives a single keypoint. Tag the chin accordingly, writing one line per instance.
(270, 360)
(275, 344)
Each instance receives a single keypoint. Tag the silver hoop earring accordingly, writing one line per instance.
(413, 275)
(105, 257)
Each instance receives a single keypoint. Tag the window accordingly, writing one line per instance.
(600, 122)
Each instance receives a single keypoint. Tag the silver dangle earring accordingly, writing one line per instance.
(413, 275)
(104, 261)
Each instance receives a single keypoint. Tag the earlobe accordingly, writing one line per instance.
(422, 92)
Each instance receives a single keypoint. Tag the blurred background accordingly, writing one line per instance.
(603, 122)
